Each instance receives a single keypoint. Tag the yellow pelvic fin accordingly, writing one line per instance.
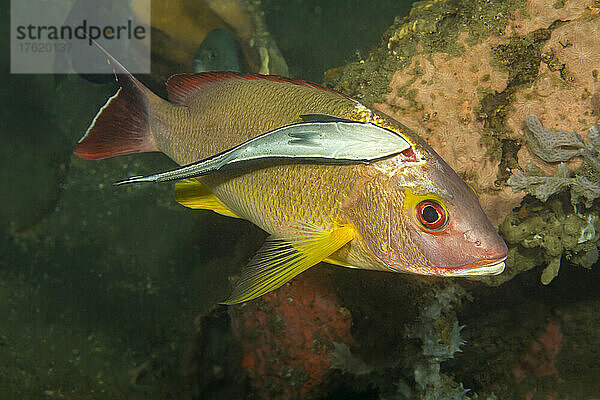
(281, 259)
(193, 194)
(335, 261)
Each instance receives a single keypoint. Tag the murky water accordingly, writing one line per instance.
(110, 292)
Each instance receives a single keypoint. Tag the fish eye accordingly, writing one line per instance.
(431, 215)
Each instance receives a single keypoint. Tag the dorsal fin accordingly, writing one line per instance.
(182, 87)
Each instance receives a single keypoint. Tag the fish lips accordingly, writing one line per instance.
(480, 268)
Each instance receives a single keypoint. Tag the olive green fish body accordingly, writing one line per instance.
(222, 114)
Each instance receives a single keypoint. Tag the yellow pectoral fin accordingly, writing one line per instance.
(193, 194)
(281, 259)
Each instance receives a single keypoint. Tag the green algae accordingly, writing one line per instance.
(522, 55)
(548, 233)
(431, 27)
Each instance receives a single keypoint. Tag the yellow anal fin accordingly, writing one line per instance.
(281, 259)
(193, 194)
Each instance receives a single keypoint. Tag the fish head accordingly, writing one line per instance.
(433, 224)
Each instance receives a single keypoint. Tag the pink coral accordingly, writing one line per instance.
(542, 13)
(540, 359)
(565, 94)
(439, 96)
(287, 336)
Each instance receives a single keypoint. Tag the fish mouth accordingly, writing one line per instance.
(490, 269)
(484, 267)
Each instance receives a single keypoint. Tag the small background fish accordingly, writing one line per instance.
(218, 52)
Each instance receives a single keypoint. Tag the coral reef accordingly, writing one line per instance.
(565, 93)
(540, 14)
(466, 76)
(445, 81)
(440, 98)
(545, 233)
(528, 341)
(557, 229)
(459, 72)
(540, 359)
(288, 335)
(552, 145)
(440, 346)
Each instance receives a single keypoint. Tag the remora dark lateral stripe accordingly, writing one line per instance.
(334, 140)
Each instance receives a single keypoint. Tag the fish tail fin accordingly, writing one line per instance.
(122, 126)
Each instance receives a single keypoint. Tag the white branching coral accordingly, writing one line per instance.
(557, 145)
(552, 145)
(438, 346)
(342, 358)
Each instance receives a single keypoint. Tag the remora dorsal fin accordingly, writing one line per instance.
(193, 194)
(183, 87)
(324, 118)
(281, 259)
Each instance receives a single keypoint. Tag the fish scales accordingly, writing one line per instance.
(227, 113)
(273, 197)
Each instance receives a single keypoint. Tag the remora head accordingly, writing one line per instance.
(433, 222)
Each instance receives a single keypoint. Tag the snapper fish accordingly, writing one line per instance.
(328, 178)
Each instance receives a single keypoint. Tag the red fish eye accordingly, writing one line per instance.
(431, 215)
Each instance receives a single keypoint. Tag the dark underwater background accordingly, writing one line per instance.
(110, 292)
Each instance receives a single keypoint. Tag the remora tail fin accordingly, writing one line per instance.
(122, 126)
